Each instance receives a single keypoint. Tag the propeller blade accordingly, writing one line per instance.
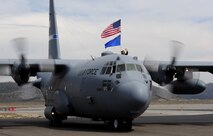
(161, 72)
(151, 64)
(20, 44)
(176, 48)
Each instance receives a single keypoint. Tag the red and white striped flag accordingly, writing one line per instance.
(112, 29)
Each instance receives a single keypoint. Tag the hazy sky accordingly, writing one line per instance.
(147, 27)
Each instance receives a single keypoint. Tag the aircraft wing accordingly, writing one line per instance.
(179, 75)
(203, 66)
(164, 72)
(21, 70)
(35, 65)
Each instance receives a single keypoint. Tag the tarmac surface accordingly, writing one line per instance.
(159, 120)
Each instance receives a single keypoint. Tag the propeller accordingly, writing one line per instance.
(20, 47)
(164, 73)
(176, 48)
(187, 82)
(20, 44)
(20, 71)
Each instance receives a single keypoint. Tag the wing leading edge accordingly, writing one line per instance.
(21, 72)
(196, 65)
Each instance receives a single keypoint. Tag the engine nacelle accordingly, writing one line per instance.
(191, 86)
(162, 75)
(21, 74)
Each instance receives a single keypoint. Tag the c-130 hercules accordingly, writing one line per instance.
(114, 88)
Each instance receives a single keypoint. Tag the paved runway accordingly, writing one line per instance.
(158, 120)
(185, 125)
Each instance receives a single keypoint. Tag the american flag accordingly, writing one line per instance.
(112, 29)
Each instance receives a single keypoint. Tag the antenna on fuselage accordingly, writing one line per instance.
(92, 57)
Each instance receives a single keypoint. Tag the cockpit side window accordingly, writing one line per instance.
(109, 69)
(114, 69)
(131, 67)
(103, 70)
(139, 68)
(120, 68)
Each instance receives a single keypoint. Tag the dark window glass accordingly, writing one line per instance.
(108, 71)
(103, 70)
(131, 67)
(114, 63)
(121, 68)
(113, 69)
(139, 68)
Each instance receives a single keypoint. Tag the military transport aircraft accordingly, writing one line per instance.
(114, 88)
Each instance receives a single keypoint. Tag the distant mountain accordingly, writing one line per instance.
(8, 87)
(161, 93)
(9, 91)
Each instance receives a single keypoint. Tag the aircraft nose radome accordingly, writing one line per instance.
(135, 94)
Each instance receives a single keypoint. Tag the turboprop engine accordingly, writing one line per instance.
(21, 72)
(179, 79)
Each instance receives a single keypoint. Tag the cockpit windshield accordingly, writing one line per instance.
(130, 67)
(111, 67)
(121, 68)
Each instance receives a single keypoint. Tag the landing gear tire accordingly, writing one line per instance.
(121, 125)
(57, 119)
(127, 125)
(55, 123)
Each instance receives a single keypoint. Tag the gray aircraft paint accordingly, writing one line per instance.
(85, 92)
(84, 82)
(81, 88)
(54, 50)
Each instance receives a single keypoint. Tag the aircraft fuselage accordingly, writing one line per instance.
(108, 87)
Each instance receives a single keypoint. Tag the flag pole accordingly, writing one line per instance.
(120, 45)
(121, 37)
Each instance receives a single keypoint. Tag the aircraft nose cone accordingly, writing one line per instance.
(135, 94)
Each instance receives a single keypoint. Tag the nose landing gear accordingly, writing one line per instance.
(55, 119)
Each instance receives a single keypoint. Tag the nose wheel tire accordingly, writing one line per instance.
(55, 123)
(56, 120)
(121, 125)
